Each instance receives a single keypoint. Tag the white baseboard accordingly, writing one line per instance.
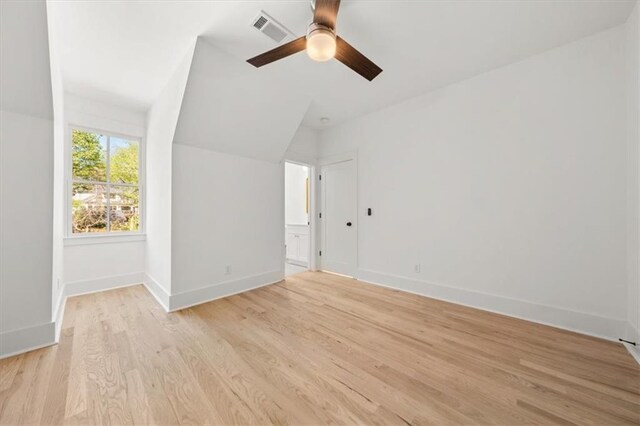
(634, 351)
(633, 335)
(219, 290)
(156, 290)
(58, 315)
(28, 339)
(580, 322)
(15, 342)
(76, 288)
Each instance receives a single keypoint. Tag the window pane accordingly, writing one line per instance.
(89, 208)
(124, 209)
(123, 164)
(89, 156)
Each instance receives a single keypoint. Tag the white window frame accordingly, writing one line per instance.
(99, 237)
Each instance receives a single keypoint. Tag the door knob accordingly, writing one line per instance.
(348, 223)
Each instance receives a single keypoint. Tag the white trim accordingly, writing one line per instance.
(224, 289)
(338, 158)
(15, 342)
(156, 290)
(579, 322)
(58, 316)
(299, 158)
(79, 240)
(313, 211)
(313, 217)
(634, 351)
(68, 181)
(125, 121)
(76, 288)
(298, 263)
(322, 163)
(343, 276)
(28, 339)
(633, 335)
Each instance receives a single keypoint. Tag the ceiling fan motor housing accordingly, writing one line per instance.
(321, 42)
(319, 28)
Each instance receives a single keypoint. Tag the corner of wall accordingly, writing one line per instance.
(27, 339)
(633, 176)
(156, 290)
(27, 109)
(162, 120)
(223, 289)
(304, 147)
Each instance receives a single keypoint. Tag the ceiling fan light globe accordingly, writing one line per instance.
(321, 44)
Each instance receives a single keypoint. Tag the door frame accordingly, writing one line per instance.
(328, 161)
(312, 264)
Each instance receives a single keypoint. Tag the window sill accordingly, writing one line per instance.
(103, 239)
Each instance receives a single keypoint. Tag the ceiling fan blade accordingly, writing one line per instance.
(355, 60)
(279, 52)
(326, 13)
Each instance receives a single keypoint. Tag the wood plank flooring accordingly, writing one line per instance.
(314, 349)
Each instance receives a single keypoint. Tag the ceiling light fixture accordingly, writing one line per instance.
(324, 120)
(321, 42)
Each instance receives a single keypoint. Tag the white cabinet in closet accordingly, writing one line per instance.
(297, 241)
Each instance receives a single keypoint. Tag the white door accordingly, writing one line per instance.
(338, 221)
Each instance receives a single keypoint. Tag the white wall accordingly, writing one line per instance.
(227, 210)
(508, 188)
(633, 186)
(88, 112)
(26, 175)
(91, 267)
(295, 177)
(26, 172)
(161, 124)
(97, 265)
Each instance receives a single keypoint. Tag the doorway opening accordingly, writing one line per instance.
(297, 215)
(338, 225)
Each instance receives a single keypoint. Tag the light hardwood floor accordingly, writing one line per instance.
(314, 349)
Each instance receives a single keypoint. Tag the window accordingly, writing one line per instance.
(105, 184)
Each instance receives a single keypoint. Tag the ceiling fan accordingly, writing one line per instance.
(322, 44)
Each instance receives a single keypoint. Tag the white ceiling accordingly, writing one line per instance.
(228, 107)
(124, 52)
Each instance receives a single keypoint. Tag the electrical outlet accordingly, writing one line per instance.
(227, 270)
(416, 268)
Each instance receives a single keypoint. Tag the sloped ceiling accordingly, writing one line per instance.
(123, 52)
(229, 107)
(25, 74)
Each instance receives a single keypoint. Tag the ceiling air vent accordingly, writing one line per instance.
(270, 27)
